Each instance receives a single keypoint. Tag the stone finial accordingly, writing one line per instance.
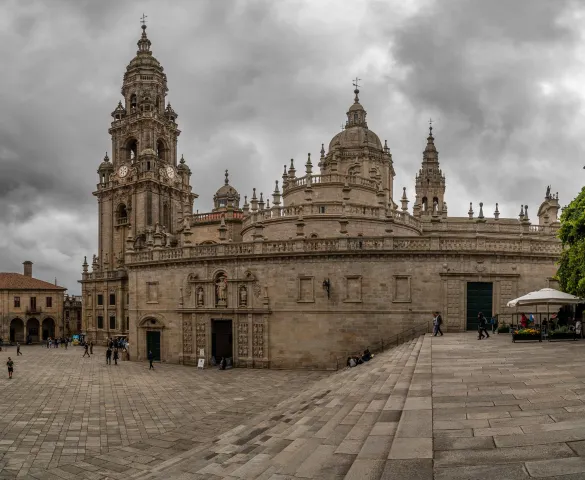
(284, 179)
(404, 200)
(526, 219)
(292, 170)
(497, 213)
(386, 148)
(480, 210)
(521, 214)
(254, 201)
(322, 150)
(276, 195)
(470, 212)
(246, 207)
(309, 165)
(84, 265)
(227, 180)
(261, 202)
(267, 204)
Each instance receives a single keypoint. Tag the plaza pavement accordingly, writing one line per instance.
(448, 407)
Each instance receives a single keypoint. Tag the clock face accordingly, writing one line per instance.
(123, 171)
(170, 172)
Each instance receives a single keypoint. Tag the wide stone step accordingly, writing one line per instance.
(342, 426)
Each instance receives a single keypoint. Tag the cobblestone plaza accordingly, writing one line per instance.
(444, 408)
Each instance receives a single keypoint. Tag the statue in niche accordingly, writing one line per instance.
(157, 228)
(243, 296)
(200, 297)
(221, 290)
(436, 206)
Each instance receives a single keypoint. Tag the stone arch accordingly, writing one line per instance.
(48, 328)
(436, 202)
(122, 213)
(133, 102)
(131, 148)
(17, 330)
(33, 329)
(313, 235)
(425, 204)
(152, 320)
(161, 149)
(208, 242)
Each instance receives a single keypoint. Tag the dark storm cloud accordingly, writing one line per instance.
(481, 67)
(256, 83)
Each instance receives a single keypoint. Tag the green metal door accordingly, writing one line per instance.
(153, 344)
(479, 299)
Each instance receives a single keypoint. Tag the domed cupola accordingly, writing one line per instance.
(356, 133)
(226, 196)
(145, 83)
(105, 169)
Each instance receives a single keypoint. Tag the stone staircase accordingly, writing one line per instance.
(369, 422)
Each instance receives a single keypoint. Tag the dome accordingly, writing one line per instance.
(106, 164)
(226, 195)
(356, 133)
(353, 137)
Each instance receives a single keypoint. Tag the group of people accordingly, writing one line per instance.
(355, 360)
(56, 342)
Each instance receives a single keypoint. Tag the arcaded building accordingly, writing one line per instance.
(332, 261)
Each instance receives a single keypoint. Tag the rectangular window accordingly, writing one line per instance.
(127, 323)
(78, 315)
(100, 299)
(16, 302)
(100, 321)
(33, 304)
(67, 314)
(321, 209)
(112, 299)
(127, 299)
(112, 323)
(49, 302)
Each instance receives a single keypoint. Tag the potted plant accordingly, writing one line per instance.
(504, 328)
(561, 333)
(526, 334)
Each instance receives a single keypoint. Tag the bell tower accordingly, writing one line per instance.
(430, 183)
(142, 188)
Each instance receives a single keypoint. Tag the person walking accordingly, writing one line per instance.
(91, 348)
(494, 323)
(150, 360)
(437, 321)
(482, 326)
(109, 356)
(10, 365)
(116, 356)
(85, 352)
(18, 352)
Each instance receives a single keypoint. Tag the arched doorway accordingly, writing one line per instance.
(152, 339)
(17, 330)
(48, 328)
(32, 330)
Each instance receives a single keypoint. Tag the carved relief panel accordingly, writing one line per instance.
(188, 335)
(258, 340)
(243, 338)
(200, 339)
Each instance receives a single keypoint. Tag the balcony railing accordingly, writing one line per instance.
(33, 310)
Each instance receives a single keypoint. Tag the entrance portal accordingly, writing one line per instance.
(17, 330)
(32, 330)
(479, 299)
(48, 328)
(221, 339)
(153, 344)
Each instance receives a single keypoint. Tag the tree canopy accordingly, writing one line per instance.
(571, 272)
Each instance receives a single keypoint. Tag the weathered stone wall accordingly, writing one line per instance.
(373, 296)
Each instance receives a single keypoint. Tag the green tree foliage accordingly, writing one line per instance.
(571, 272)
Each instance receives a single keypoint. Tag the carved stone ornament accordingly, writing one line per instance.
(200, 336)
(200, 297)
(243, 339)
(243, 296)
(187, 336)
(258, 340)
(257, 289)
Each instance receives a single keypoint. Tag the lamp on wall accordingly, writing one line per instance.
(327, 286)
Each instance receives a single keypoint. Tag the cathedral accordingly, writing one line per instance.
(331, 262)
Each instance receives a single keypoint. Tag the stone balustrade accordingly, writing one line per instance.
(335, 178)
(525, 245)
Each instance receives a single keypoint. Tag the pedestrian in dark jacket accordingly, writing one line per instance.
(482, 326)
(150, 359)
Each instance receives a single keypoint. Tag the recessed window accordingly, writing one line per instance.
(33, 303)
(321, 209)
(100, 321)
(49, 302)
(100, 299)
(112, 323)
(112, 299)
(16, 302)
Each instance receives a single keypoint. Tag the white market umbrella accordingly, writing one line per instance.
(545, 296)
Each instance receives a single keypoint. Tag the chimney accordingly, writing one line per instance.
(28, 268)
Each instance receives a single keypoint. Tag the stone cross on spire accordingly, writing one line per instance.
(143, 20)
(431, 127)
(356, 91)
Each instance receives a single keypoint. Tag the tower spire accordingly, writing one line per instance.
(356, 90)
(144, 42)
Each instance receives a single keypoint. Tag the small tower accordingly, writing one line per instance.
(549, 209)
(430, 181)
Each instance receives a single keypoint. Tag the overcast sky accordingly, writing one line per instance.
(256, 83)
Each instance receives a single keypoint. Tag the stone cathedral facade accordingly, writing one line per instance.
(332, 262)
